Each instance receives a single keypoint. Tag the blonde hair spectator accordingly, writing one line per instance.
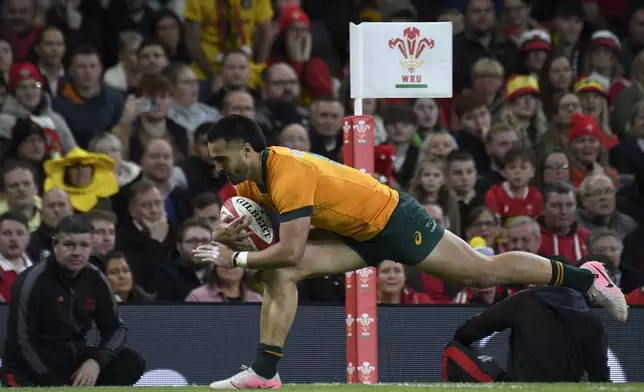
(126, 73)
(110, 145)
(437, 145)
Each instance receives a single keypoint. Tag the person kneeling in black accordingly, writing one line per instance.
(52, 308)
(555, 338)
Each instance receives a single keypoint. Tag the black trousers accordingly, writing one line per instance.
(125, 369)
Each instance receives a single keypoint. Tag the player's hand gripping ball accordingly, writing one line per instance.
(254, 232)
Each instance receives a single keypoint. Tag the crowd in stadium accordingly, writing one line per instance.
(106, 106)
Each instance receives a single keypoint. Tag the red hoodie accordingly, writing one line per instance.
(572, 246)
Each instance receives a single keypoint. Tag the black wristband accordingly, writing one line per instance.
(235, 255)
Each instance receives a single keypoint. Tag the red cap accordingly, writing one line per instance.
(605, 38)
(535, 40)
(584, 125)
(23, 71)
(292, 14)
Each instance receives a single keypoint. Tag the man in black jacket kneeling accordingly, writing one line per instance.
(555, 338)
(52, 309)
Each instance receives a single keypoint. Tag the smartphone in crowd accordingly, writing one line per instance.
(146, 105)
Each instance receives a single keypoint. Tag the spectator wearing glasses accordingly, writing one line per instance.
(28, 100)
(599, 206)
(281, 95)
(553, 166)
(182, 272)
(483, 223)
(185, 109)
(146, 238)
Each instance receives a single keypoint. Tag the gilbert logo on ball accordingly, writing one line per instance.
(260, 227)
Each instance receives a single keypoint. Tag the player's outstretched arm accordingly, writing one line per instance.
(288, 251)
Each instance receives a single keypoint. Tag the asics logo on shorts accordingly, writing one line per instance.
(418, 238)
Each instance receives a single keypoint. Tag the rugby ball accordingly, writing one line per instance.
(261, 230)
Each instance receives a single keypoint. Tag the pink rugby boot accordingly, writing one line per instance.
(605, 293)
(248, 379)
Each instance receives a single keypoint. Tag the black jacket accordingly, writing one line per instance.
(49, 318)
(175, 279)
(143, 253)
(40, 246)
(554, 336)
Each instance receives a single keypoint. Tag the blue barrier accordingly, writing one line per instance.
(199, 343)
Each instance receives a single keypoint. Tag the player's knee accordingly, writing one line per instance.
(278, 277)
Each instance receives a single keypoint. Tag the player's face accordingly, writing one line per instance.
(231, 159)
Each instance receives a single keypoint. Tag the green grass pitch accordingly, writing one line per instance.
(384, 388)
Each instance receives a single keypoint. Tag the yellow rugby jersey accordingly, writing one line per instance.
(338, 198)
(205, 12)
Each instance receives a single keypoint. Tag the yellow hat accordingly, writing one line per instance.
(478, 242)
(103, 182)
(519, 85)
(590, 85)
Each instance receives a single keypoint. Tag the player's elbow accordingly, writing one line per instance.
(292, 258)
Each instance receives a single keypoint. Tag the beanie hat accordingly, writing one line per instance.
(23, 71)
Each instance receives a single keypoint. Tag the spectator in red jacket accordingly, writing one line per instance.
(560, 234)
(391, 286)
(293, 45)
(14, 238)
(18, 24)
(516, 196)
